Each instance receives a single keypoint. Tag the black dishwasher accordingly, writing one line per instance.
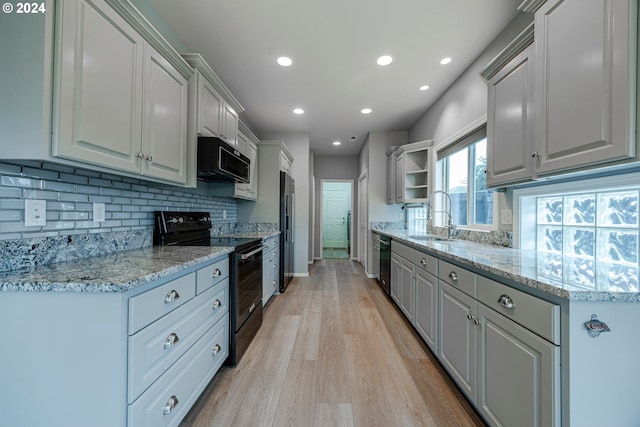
(385, 263)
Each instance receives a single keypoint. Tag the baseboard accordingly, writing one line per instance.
(354, 259)
(371, 276)
(301, 274)
(318, 258)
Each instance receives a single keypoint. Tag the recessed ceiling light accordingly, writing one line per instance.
(285, 61)
(424, 87)
(385, 60)
(298, 111)
(337, 142)
(445, 61)
(366, 111)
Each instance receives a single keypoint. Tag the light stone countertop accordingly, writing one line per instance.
(118, 272)
(563, 277)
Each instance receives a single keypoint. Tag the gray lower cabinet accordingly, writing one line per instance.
(457, 345)
(518, 373)
(403, 278)
(114, 359)
(426, 299)
(396, 277)
(270, 268)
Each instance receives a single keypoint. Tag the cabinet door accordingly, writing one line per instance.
(391, 179)
(400, 178)
(98, 103)
(585, 108)
(210, 106)
(407, 287)
(396, 278)
(426, 312)
(250, 191)
(266, 277)
(518, 374)
(230, 125)
(457, 338)
(510, 122)
(164, 126)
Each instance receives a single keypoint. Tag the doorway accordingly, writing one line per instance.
(335, 224)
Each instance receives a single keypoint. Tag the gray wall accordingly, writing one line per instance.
(298, 145)
(464, 103)
(338, 168)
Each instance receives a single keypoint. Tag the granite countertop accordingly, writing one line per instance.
(118, 272)
(570, 278)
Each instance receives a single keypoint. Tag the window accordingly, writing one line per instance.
(462, 169)
(587, 236)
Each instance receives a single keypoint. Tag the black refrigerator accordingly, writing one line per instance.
(287, 239)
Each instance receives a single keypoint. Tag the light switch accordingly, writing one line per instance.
(506, 216)
(35, 213)
(98, 212)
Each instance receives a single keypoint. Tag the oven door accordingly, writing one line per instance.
(249, 283)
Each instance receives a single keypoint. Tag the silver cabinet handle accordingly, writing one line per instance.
(476, 322)
(506, 301)
(469, 316)
(535, 154)
(149, 157)
(170, 405)
(453, 276)
(140, 155)
(171, 340)
(172, 296)
(217, 272)
(423, 261)
(216, 304)
(216, 349)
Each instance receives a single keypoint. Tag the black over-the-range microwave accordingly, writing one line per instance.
(220, 162)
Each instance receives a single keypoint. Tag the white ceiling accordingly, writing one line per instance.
(334, 45)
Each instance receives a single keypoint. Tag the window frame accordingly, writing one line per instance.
(465, 139)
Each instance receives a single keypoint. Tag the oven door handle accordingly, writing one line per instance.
(245, 256)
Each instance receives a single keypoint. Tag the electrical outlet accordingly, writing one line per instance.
(35, 213)
(506, 216)
(98, 212)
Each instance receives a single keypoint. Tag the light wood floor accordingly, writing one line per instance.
(333, 351)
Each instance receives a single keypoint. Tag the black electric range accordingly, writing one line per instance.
(245, 271)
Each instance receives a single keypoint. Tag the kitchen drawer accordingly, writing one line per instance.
(457, 277)
(535, 314)
(152, 305)
(404, 251)
(273, 255)
(212, 274)
(183, 381)
(270, 243)
(156, 347)
(426, 262)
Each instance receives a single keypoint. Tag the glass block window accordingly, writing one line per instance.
(596, 232)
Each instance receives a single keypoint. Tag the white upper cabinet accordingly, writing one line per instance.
(215, 108)
(412, 172)
(164, 120)
(112, 93)
(99, 105)
(585, 73)
(510, 113)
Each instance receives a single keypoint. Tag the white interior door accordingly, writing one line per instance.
(362, 219)
(334, 215)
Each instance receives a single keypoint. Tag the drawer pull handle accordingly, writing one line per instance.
(476, 322)
(216, 349)
(171, 341)
(423, 261)
(170, 405)
(469, 317)
(506, 301)
(217, 272)
(216, 304)
(171, 296)
(453, 276)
